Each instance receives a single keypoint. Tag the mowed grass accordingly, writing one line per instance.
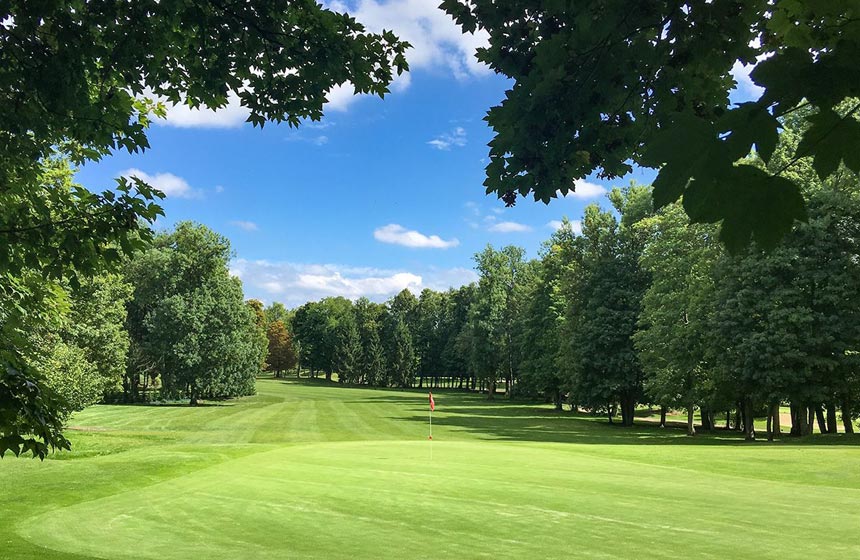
(306, 470)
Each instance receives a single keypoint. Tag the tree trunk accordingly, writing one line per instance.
(491, 390)
(707, 418)
(810, 420)
(558, 400)
(777, 423)
(749, 423)
(691, 428)
(819, 415)
(832, 427)
(728, 419)
(628, 408)
(739, 426)
(802, 424)
(328, 376)
(795, 419)
(663, 416)
(610, 411)
(773, 428)
(847, 422)
(193, 393)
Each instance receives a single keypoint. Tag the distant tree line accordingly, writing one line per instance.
(641, 307)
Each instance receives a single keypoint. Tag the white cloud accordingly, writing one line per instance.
(183, 116)
(509, 227)
(575, 225)
(316, 140)
(247, 226)
(584, 190)
(168, 183)
(437, 42)
(340, 97)
(219, 188)
(456, 137)
(335, 284)
(399, 235)
(294, 283)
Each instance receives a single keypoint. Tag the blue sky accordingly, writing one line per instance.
(381, 195)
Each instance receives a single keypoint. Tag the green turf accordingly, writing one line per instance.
(306, 470)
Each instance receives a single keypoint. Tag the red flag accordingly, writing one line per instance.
(432, 402)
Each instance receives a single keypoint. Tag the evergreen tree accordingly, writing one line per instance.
(402, 361)
(372, 368)
(347, 350)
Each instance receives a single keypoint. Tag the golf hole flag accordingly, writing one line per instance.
(432, 408)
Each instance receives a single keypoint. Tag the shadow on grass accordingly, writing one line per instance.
(175, 404)
(523, 423)
(505, 420)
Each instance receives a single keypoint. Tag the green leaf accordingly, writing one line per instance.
(750, 202)
(687, 146)
(829, 140)
(747, 125)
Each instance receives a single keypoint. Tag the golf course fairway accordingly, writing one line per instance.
(312, 470)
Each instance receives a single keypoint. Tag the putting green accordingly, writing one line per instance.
(327, 472)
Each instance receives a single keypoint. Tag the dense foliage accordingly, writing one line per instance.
(601, 85)
(189, 320)
(80, 80)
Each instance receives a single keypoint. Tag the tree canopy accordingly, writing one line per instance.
(81, 80)
(602, 85)
(189, 317)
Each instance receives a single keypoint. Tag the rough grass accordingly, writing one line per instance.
(308, 470)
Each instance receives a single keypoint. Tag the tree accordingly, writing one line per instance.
(543, 317)
(427, 337)
(457, 337)
(277, 312)
(315, 328)
(369, 318)
(261, 338)
(603, 84)
(786, 321)
(604, 286)
(35, 271)
(494, 314)
(69, 373)
(188, 315)
(96, 323)
(281, 355)
(402, 361)
(347, 350)
(673, 337)
(80, 81)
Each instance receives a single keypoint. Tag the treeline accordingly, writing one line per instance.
(641, 307)
(170, 323)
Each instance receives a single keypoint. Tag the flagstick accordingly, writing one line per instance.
(431, 435)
